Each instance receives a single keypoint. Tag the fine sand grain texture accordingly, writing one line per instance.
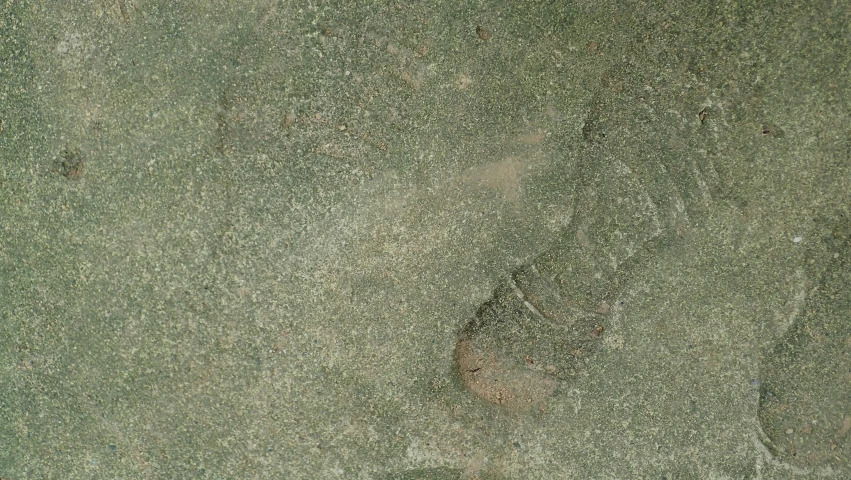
(424, 240)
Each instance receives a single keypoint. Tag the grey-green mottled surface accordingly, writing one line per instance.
(241, 239)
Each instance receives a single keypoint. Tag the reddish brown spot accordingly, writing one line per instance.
(483, 33)
(497, 380)
(71, 164)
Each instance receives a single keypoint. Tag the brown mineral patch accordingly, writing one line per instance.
(531, 138)
(463, 81)
(483, 33)
(499, 380)
(505, 176)
(71, 164)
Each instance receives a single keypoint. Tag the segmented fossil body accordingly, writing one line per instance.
(643, 179)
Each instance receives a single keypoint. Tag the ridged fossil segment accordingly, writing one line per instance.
(634, 194)
(512, 355)
(545, 322)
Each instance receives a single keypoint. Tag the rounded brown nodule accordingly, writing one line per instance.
(483, 33)
(498, 380)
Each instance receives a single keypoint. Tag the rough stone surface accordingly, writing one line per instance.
(255, 239)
